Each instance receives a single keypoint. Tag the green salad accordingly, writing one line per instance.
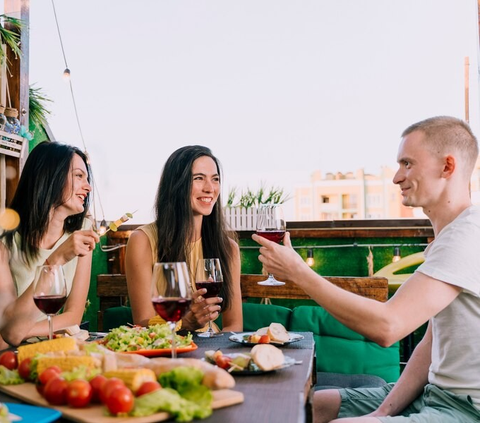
(126, 338)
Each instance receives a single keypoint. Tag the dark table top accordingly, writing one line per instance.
(282, 395)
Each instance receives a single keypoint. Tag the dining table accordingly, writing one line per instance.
(282, 395)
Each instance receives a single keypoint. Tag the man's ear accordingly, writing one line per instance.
(449, 166)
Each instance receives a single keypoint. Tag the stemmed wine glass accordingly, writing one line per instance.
(171, 294)
(209, 276)
(49, 291)
(271, 225)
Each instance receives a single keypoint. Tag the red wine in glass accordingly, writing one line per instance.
(171, 309)
(275, 236)
(49, 291)
(50, 304)
(171, 293)
(213, 288)
(271, 225)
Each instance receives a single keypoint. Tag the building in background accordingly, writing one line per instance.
(350, 195)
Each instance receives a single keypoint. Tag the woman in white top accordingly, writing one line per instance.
(52, 200)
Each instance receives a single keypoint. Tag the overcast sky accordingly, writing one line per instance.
(277, 88)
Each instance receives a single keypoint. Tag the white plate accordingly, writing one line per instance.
(289, 361)
(242, 337)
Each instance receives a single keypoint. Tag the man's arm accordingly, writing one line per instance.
(412, 381)
(383, 323)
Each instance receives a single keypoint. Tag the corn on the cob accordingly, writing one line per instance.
(58, 344)
(67, 363)
(133, 378)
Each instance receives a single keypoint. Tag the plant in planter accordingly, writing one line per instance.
(241, 213)
(9, 37)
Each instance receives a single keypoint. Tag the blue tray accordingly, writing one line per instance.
(33, 414)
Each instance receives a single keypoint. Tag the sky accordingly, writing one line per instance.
(276, 88)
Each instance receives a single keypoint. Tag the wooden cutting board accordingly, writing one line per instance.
(96, 413)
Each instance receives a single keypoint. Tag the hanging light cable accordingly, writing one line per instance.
(66, 75)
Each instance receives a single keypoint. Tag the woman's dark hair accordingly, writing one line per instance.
(42, 187)
(174, 217)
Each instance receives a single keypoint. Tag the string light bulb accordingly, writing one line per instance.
(310, 260)
(396, 254)
(103, 227)
(66, 74)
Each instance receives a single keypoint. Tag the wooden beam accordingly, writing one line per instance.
(18, 83)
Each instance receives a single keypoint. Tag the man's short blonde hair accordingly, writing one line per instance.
(448, 135)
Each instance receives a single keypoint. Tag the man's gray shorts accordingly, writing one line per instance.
(435, 405)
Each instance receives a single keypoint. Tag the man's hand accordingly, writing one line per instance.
(280, 260)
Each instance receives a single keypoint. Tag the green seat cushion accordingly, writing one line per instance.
(114, 317)
(342, 350)
(256, 316)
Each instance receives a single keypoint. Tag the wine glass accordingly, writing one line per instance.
(171, 294)
(271, 225)
(49, 291)
(209, 276)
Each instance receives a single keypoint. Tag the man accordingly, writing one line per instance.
(441, 382)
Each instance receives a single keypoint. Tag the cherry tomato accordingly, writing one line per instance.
(223, 361)
(147, 387)
(97, 384)
(39, 387)
(264, 339)
(55, 391)
(109, 386)
(120, 400)
(48, 373)
(79, 393)
(24, 368)
(9, 360)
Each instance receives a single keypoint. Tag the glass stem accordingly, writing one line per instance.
(174, 348)
(50, 326)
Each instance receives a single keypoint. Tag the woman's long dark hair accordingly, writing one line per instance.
(174, 217)
(42, 187)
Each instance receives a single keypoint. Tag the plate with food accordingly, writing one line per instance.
(152, 341)
(273, 334)
(263, 358)
(28, 413)
(162, 352)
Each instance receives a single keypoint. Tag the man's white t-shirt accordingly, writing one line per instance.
(454, 257)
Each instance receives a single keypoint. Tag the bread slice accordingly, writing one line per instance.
(267, 357)
(261, 331)
(278, 333)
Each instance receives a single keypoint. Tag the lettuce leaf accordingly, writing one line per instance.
(170, 401)
(9, 377)
(183, 396)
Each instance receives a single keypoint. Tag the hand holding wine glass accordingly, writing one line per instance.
(209, 276)
(171, 294)
(271, 225)
(49, 291)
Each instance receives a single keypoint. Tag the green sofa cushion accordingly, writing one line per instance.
(341, 350)
(256, 316)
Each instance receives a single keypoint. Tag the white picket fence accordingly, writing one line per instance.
(241, 218)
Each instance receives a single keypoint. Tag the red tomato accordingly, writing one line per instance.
(79, 393)
(223, 361)
(39, 387)
(48, 373)
(9, 360)
(55, 391)
(264, 339)
(147, 387)
(24, 368)
(97, 384)
(109, 386)
(120, 400)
